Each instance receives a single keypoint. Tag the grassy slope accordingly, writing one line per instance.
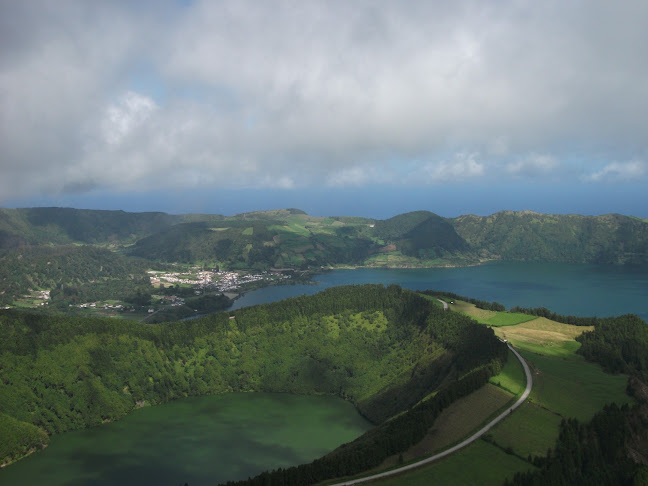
(565, 385)
(530, 430)
(573, 388)
(511, 377)
(456, 423)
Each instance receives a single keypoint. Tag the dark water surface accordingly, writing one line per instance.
(566, 288)
(201, 441)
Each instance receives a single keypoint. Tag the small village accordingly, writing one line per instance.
(227, 282)
(222, 281)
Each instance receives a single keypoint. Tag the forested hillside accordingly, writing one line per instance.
(36, 226)
(72, 274)
(421, 234)
(527, 235)
(381, 348)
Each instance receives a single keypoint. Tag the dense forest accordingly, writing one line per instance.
(383, 349)
(73, 274)
(619, 345)
(527, 235)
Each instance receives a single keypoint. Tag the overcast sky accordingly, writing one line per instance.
(369, 108)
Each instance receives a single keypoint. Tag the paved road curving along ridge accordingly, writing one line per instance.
(463, 443)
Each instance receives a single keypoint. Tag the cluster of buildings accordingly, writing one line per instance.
(221, 281)
(232, 281)
(203, 278)
(95, 305)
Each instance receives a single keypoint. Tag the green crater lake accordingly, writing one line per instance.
(214, 439)
(201, 441)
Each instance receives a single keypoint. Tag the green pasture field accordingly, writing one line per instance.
(529, 430)
(479, 464)
(573, 388)
(565, 349)
(511, 378)
(501, 319)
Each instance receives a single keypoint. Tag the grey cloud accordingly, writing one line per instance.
(272, 94)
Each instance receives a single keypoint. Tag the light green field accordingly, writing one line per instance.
(507, 319)
(529, 430)
(511, 378)
(479, 464)
(563, 381)
(546, 337)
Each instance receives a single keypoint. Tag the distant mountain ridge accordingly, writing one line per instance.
(292, 238)
(527, 235)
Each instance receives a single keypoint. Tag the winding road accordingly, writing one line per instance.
(463, 443)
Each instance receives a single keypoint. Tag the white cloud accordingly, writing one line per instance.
(619, 171)
(532, 165)
(130, 111)
(463, 166)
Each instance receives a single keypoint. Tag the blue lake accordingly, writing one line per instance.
(566, 288)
